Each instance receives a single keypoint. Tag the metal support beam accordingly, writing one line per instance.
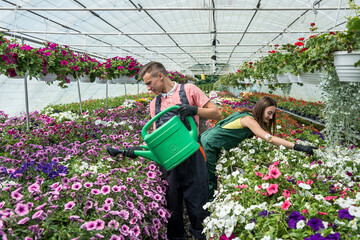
(26, 102)
(79, 93)
(160, 33)
(122, 9)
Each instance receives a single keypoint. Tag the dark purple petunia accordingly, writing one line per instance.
(62, 169)
(335, 236)
(344, 213)
(294, 218)
(315, 223)
(53, 174)
(315, 237)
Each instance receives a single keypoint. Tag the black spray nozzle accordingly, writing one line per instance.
(114, 152)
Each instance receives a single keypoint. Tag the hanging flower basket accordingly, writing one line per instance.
(283, 78)
(344, 64)
(311, 78)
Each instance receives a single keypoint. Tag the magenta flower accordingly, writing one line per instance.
(91, 225)
(34, 188)
(99, 224)
(37, 214)
(69, 205)
(89, 204)
(16, 195)
(114, 237)
(76, 186)
(21, 209)
(64, 62)
(136, 230)
(109, 201)
(40, 207)
(124, 230)
(286, 205)
(95, 191)
(115, 188)
(22, 221)
(88, 185)
(151, 174)
(124, 214)
(105, 189)
(113, 224)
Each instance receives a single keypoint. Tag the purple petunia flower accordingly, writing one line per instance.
(335, 236)
(344, 213)
(315, 223)
(316, 237)
(105, 189)
(124, 230)
(294, 218)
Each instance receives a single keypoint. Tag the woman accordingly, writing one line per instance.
(228, 133)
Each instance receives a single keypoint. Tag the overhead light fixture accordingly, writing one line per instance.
(213, 57)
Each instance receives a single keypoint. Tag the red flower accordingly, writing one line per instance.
(333, 33)
(303, 49)
(312, 24)
(250, 63)
(299, 44)
(312, 36)
(301, 39)
(276, 45)
(239, 71)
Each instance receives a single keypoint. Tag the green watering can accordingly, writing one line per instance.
(170, 144)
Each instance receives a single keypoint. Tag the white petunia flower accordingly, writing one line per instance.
(305, 186)
(250, 226)
(300, 224)
(266, 238)
(265, 185)
(354, 211)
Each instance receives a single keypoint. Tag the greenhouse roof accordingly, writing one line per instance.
(194, 37)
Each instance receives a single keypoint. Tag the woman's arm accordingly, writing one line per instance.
(254, 126)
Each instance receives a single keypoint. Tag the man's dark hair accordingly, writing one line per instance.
(154, 68)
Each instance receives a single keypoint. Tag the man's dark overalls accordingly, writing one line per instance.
(187, 182)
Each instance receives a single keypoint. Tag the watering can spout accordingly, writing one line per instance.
(146, 154)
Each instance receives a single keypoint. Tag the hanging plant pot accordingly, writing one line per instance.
(311, 78)
(71, 78)
(283, 78)
(50, 77)
(100, 81)
(344, 64)
(85, 79)
(293, 78)
(124, 79)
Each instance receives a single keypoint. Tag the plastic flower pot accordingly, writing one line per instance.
(293, 78)
(283, 78)
(344, 64)
(311, 78)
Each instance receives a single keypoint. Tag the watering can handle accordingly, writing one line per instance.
(193, 131)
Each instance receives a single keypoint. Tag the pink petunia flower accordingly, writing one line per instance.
(16, 195)
(124, 230)
(274, 172)
(22, 221)
(114, 237)
(105, 189)
(259, 174)
(21, 209)
(76, 186)
(286, 193)
(272, 189)
(34, 188)
(113, 224)
(95, 191)
(100, 224)
(69, 205)
(91, 225)
(267, 177)
(88, 184)
(37, 214)
(286, 205)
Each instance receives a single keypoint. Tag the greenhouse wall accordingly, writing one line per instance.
(12, 94)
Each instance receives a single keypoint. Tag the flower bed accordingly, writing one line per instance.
(57, 179)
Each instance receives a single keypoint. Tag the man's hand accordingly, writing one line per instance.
(306, 149)
(187, 110)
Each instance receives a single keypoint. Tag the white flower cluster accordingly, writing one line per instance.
(128, 103)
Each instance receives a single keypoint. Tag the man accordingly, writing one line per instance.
(188, 182)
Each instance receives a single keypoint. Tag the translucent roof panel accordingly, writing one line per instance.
(185, 35)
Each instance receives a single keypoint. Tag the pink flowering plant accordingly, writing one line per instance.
(57, 180)
(180, 78)
(118, 66)
(17, 59)
(270, 192)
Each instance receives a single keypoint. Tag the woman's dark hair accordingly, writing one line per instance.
(258, 113)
